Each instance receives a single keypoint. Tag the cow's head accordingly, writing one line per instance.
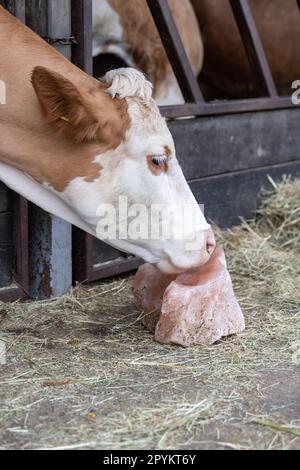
(137, 200)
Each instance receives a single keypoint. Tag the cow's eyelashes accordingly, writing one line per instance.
(157, 164)
(159, 160)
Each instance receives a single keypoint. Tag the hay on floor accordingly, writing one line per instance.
(81, 371)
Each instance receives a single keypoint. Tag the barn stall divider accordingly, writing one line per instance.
(227, 150)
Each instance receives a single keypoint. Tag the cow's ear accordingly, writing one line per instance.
(65, 106)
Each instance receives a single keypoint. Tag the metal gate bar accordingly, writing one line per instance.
(82, 56)
(255, 52)
(227, 107)
(253, 46)
(83, 267)
(19, 288)
(15, 7)
(82, 20)
(175, 50)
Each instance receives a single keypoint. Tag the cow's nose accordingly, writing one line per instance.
(210, 241)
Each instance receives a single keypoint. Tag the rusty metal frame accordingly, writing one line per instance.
(175, 51)
(194, 102)
(19, 287)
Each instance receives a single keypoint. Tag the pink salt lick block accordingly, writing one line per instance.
(195, 308)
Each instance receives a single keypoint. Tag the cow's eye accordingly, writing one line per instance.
(159, 160)
(157, 164)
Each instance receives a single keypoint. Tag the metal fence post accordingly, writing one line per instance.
(50, 245)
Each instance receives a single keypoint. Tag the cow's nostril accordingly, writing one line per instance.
(210, 243)
(210, 247)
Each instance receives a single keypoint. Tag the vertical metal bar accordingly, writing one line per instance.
(15, 7)
(21, 207)
(21, 240)
(37, 16)
(20, 10)
(8, 5)
(50, 237)
(82, 56)
(174, 48)
(59, 23)
(82, 20)
(253, 46)
(82, 255)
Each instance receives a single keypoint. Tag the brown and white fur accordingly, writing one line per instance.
(126, 29)
(69, 143)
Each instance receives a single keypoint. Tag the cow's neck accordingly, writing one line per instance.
(26, 141)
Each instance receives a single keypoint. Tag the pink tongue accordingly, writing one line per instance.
(192, 308)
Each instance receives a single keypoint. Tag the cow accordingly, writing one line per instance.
(70, 143)
(126, 31)
(212, 40)
(226, 72)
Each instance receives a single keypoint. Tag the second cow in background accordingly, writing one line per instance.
(125, 35)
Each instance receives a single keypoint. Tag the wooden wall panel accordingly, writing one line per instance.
(220, 144)
(230, 196)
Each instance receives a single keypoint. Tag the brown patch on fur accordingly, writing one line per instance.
(31, 143)
(92, 115)
(88, 116)
(59, 167)
(168, 151)
(80, 166)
